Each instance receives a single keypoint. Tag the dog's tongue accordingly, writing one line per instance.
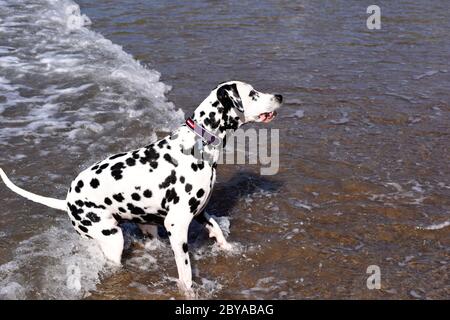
(266, 117)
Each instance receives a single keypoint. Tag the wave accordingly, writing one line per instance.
(60, 76)
(62, 80)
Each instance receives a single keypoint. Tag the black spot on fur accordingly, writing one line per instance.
(79, 203)
(147, 193)
(171, 196)
(170, 160)
(94, 168)
(108, 201)
(108, 232)
(116, 170)
(122, 210)
(185, 247)
(171, 179)
(169, 234)
(86, 223)
(135, 197)
(212, 121)
(194, 167)
(162, 212)
(91, 204)
(79, 185)
(193, 204)
(117, 156)
(188, 187)
(118, 197)
(83, 228)
(118, 166)
(102, 167)
(135, 210)
(182, 179)
(150, 156)
(202, 113)
(95, 183)
(117, 174)
(130, 162)
(117, 217)
(200, 193)
(93, 217)
(135, 154)
(162, 143)
(75, 211)
(186, 261)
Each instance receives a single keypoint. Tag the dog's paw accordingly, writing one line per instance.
(226, 246)
(188, 292)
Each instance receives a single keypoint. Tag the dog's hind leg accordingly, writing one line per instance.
(112, 246)
(108, 234)
(177, 225)
(214, 230)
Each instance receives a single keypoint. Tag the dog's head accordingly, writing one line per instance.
(233, 103)
(247, 103)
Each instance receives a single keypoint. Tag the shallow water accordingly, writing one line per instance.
(364, 143)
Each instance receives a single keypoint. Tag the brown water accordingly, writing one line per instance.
(373, 190)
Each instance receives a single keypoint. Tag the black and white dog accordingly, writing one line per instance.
(168, 182)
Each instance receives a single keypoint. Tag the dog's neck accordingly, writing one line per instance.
(220, 120)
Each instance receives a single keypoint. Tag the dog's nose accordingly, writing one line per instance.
(279, 98)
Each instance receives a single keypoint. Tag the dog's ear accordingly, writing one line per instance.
(228, 96)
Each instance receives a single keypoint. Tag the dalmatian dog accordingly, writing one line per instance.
(168, 182)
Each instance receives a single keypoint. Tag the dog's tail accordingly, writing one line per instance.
(50, 202)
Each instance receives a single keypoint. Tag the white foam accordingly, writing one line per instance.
(264, 285)
(12, 291)
(437, 226)
(56, 46)
(208, 288)
(411, 192)
(144, 262)
(63, 266)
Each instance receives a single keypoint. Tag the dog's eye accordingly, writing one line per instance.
(252, 93)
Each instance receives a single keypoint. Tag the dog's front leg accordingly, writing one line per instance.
(177, 225)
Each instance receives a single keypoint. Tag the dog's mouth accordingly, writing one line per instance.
(266, 117)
